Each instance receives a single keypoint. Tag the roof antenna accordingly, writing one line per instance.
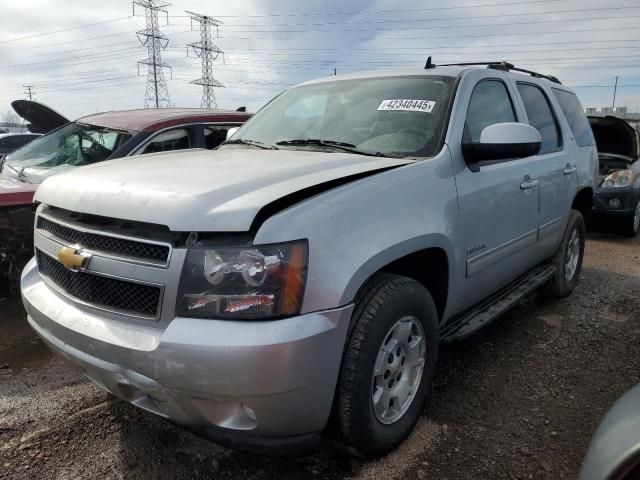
(429, 65)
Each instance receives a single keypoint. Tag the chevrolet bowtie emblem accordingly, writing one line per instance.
(73, 258)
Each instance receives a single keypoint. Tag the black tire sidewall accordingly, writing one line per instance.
(365, 433)
(630, 231)
(562, 286)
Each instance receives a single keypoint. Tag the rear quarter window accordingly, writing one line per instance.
(573, 112)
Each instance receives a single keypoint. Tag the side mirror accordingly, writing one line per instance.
(231, 131)
(501, 141)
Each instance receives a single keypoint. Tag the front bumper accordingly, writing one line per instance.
(247, 384)
(626, 196)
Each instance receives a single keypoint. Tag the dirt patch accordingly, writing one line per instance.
(520, 399)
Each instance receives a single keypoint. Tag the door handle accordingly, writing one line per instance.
(528, 183)
(569, 169)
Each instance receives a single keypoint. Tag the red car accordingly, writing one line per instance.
(90, 139)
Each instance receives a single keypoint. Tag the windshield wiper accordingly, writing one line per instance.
(253, 143)
(345, 147)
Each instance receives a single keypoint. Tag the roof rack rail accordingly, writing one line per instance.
(504, 66)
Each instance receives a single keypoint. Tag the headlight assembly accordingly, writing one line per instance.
(619, 179)
(254, 282)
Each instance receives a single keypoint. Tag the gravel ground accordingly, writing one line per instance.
(520, 399)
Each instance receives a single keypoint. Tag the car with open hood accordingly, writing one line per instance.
(618, 194)
(10, 142)
(310, 267)
(87, 141)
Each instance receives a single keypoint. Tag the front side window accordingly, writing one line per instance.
(573, 112)
(490, 103)
(214, 135)
(75, 144)
(541, 117)
(177, 139)
(394, 116)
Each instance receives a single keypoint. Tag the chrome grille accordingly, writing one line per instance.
(101, 291)
(109, 244)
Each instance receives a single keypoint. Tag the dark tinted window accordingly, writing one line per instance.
(490, 103)
(574, 114)
(170, 140)
(541, 116)
(16, 141)
(214, 135)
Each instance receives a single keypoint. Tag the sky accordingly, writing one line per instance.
(81, 56)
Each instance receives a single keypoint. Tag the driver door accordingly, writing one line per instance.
(498, 203)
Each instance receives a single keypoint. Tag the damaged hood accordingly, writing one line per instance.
(203, 190)
(614, 136)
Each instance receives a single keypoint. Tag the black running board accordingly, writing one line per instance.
(468, 322)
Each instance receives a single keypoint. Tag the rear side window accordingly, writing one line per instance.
(490, 103)
(171, 140)
(576, 117)
(541, 117)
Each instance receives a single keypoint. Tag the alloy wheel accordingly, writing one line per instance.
(573, 255)
(398, 370)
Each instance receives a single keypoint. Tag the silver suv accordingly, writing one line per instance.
(308, 269)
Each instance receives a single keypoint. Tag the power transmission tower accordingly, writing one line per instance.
(156, 93)
(29, 91)
(208, 53)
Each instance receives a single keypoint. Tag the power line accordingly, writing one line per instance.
(437, 37)
(534, 22)
(376, 12)
(87, 39)
(401, 53)
(208, 53)
(431, 20)
(64, 30)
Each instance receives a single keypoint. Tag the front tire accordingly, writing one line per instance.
(388, 365)
(567, 259)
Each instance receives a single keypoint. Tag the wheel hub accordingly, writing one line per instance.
(573, 255)
(398, 370)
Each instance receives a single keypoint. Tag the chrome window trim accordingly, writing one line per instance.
(102, 253)
(127, 313)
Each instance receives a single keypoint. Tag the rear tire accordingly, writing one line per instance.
(390, 357)
(567, 259)
(632, 222)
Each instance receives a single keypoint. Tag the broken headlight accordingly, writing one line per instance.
(619, 179)
(254, 282)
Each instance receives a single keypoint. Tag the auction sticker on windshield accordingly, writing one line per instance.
(407, 105)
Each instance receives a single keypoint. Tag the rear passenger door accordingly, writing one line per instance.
(554, 172)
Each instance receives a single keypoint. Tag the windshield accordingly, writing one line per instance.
(395, 116)
(72, 145)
